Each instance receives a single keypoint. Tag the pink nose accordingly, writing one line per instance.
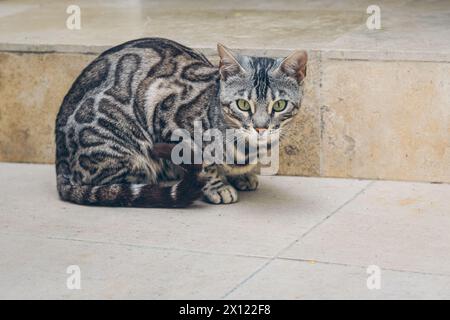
(260, 130)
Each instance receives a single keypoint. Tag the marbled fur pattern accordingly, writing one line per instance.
(115, 122)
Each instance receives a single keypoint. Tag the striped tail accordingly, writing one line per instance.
(179, 195)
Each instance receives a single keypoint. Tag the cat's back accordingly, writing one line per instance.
(132, 94)
(125, 73)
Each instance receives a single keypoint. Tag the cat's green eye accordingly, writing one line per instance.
(243, 104)
(279, 105)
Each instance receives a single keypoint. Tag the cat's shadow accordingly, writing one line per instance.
(268, 193)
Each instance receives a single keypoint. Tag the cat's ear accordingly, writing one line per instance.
(228, 65)
(294, 65)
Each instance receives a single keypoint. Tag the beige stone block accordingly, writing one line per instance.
(300, 146)
(386, 120)
(32, 87)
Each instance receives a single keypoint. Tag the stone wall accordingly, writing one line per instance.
(359, 119)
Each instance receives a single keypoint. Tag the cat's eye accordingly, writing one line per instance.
(243, 104)
(279, 105)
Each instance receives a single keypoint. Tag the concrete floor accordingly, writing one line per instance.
(410, 29)
(295, 238)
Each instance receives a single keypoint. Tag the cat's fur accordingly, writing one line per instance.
(115, 122)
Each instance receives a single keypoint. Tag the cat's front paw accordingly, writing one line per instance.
(222, 194)
(244, 182)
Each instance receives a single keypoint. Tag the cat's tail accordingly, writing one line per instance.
(179, 195)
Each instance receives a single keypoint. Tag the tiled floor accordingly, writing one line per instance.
(294, 238)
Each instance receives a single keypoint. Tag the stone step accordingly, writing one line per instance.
(377, 102)
(324, 234)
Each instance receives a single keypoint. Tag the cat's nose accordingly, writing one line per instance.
(260, 130)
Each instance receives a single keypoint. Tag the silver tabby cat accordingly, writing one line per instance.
(114, 126)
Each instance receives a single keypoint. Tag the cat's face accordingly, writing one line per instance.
(260, 95)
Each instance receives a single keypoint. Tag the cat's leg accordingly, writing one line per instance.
(244, 182)
(217, 189)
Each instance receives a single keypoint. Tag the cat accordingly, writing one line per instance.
(113, 128)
